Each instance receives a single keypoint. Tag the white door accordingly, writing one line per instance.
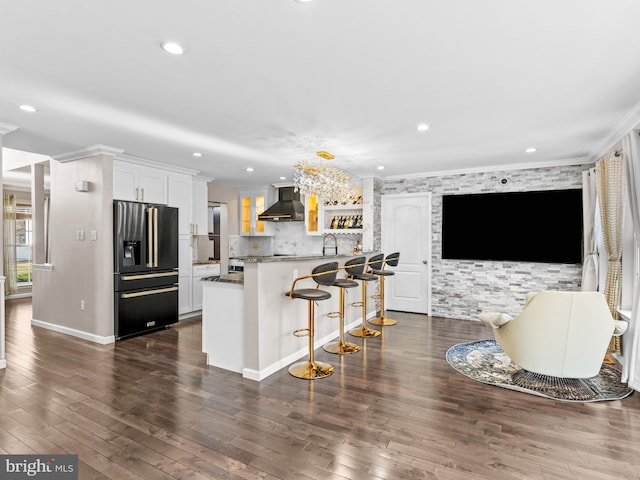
(406, 228)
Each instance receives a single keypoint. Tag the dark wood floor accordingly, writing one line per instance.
(149, 408)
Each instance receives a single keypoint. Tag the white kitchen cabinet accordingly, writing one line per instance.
(139, 184)
(200, 272)
(184, 274)
(252, 204)
(184, 295)
(180, 197)
(199, 208)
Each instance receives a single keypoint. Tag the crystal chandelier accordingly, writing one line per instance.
(321, 180)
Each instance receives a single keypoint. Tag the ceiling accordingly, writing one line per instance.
(266, 83)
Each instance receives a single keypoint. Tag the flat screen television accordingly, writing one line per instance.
(535, 226)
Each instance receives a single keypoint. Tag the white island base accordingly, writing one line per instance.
(248, 328)
(223, 334)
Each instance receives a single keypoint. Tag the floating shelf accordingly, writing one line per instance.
(355, 206)
(343, 231)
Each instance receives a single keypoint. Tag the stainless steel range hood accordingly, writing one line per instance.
(288, 208)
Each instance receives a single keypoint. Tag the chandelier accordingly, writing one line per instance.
(321, 180)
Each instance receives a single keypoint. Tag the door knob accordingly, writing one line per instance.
(425, 262)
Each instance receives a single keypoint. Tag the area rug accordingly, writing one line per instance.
(486, 362)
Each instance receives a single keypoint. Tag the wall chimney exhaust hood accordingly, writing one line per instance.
(288, 208)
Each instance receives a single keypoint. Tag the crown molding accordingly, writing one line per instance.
(118, 154)
(624, 126)
(123, 157)
(203, 178)
(87, 152)
(7, 128)
(495, 168)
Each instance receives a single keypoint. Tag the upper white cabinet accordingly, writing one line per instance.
(200, 207)
(252, 204)
(180, 196)
(139, 184)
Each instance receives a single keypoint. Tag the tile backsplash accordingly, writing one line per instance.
(289, 238)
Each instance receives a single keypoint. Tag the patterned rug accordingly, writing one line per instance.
(486, 362)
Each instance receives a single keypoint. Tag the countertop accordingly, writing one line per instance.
(289, 258)
(229, 278)
(205, 262)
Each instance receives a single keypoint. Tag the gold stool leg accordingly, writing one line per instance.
(382, 320)
(363, 330)
(311, 370)
(341, 346)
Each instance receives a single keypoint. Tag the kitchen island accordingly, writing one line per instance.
(248, 321)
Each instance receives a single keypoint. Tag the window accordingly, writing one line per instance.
(24, 245)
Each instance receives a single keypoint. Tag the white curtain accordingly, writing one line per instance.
(590, 262)
(631, 152)
(10, 266)
(610, 173)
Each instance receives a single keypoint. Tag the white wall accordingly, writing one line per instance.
(82, 270)
(229, 196)
(229, 217)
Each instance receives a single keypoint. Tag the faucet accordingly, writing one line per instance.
(324, 243)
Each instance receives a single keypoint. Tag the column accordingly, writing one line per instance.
(37, 213)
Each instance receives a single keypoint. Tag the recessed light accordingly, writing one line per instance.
(423, 127)
(381, 167)
(28, 108)
(197, 154)
(530, 150)
(283, 178)
(173, 48)
(249, 169)
(303, 1)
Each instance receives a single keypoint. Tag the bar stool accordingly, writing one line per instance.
(341, 346)
(325, 275)
(377, 268)
(355, 271)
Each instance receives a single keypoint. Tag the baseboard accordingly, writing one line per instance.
(18, 295)
(258, 375)
(190, 315)
(73, 332)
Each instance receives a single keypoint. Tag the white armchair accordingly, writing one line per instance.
(558, 334)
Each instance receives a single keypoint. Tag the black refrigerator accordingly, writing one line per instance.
(145, 267)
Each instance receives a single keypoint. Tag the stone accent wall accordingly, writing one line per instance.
(464, 289)
(372, 189)
(378, 187)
